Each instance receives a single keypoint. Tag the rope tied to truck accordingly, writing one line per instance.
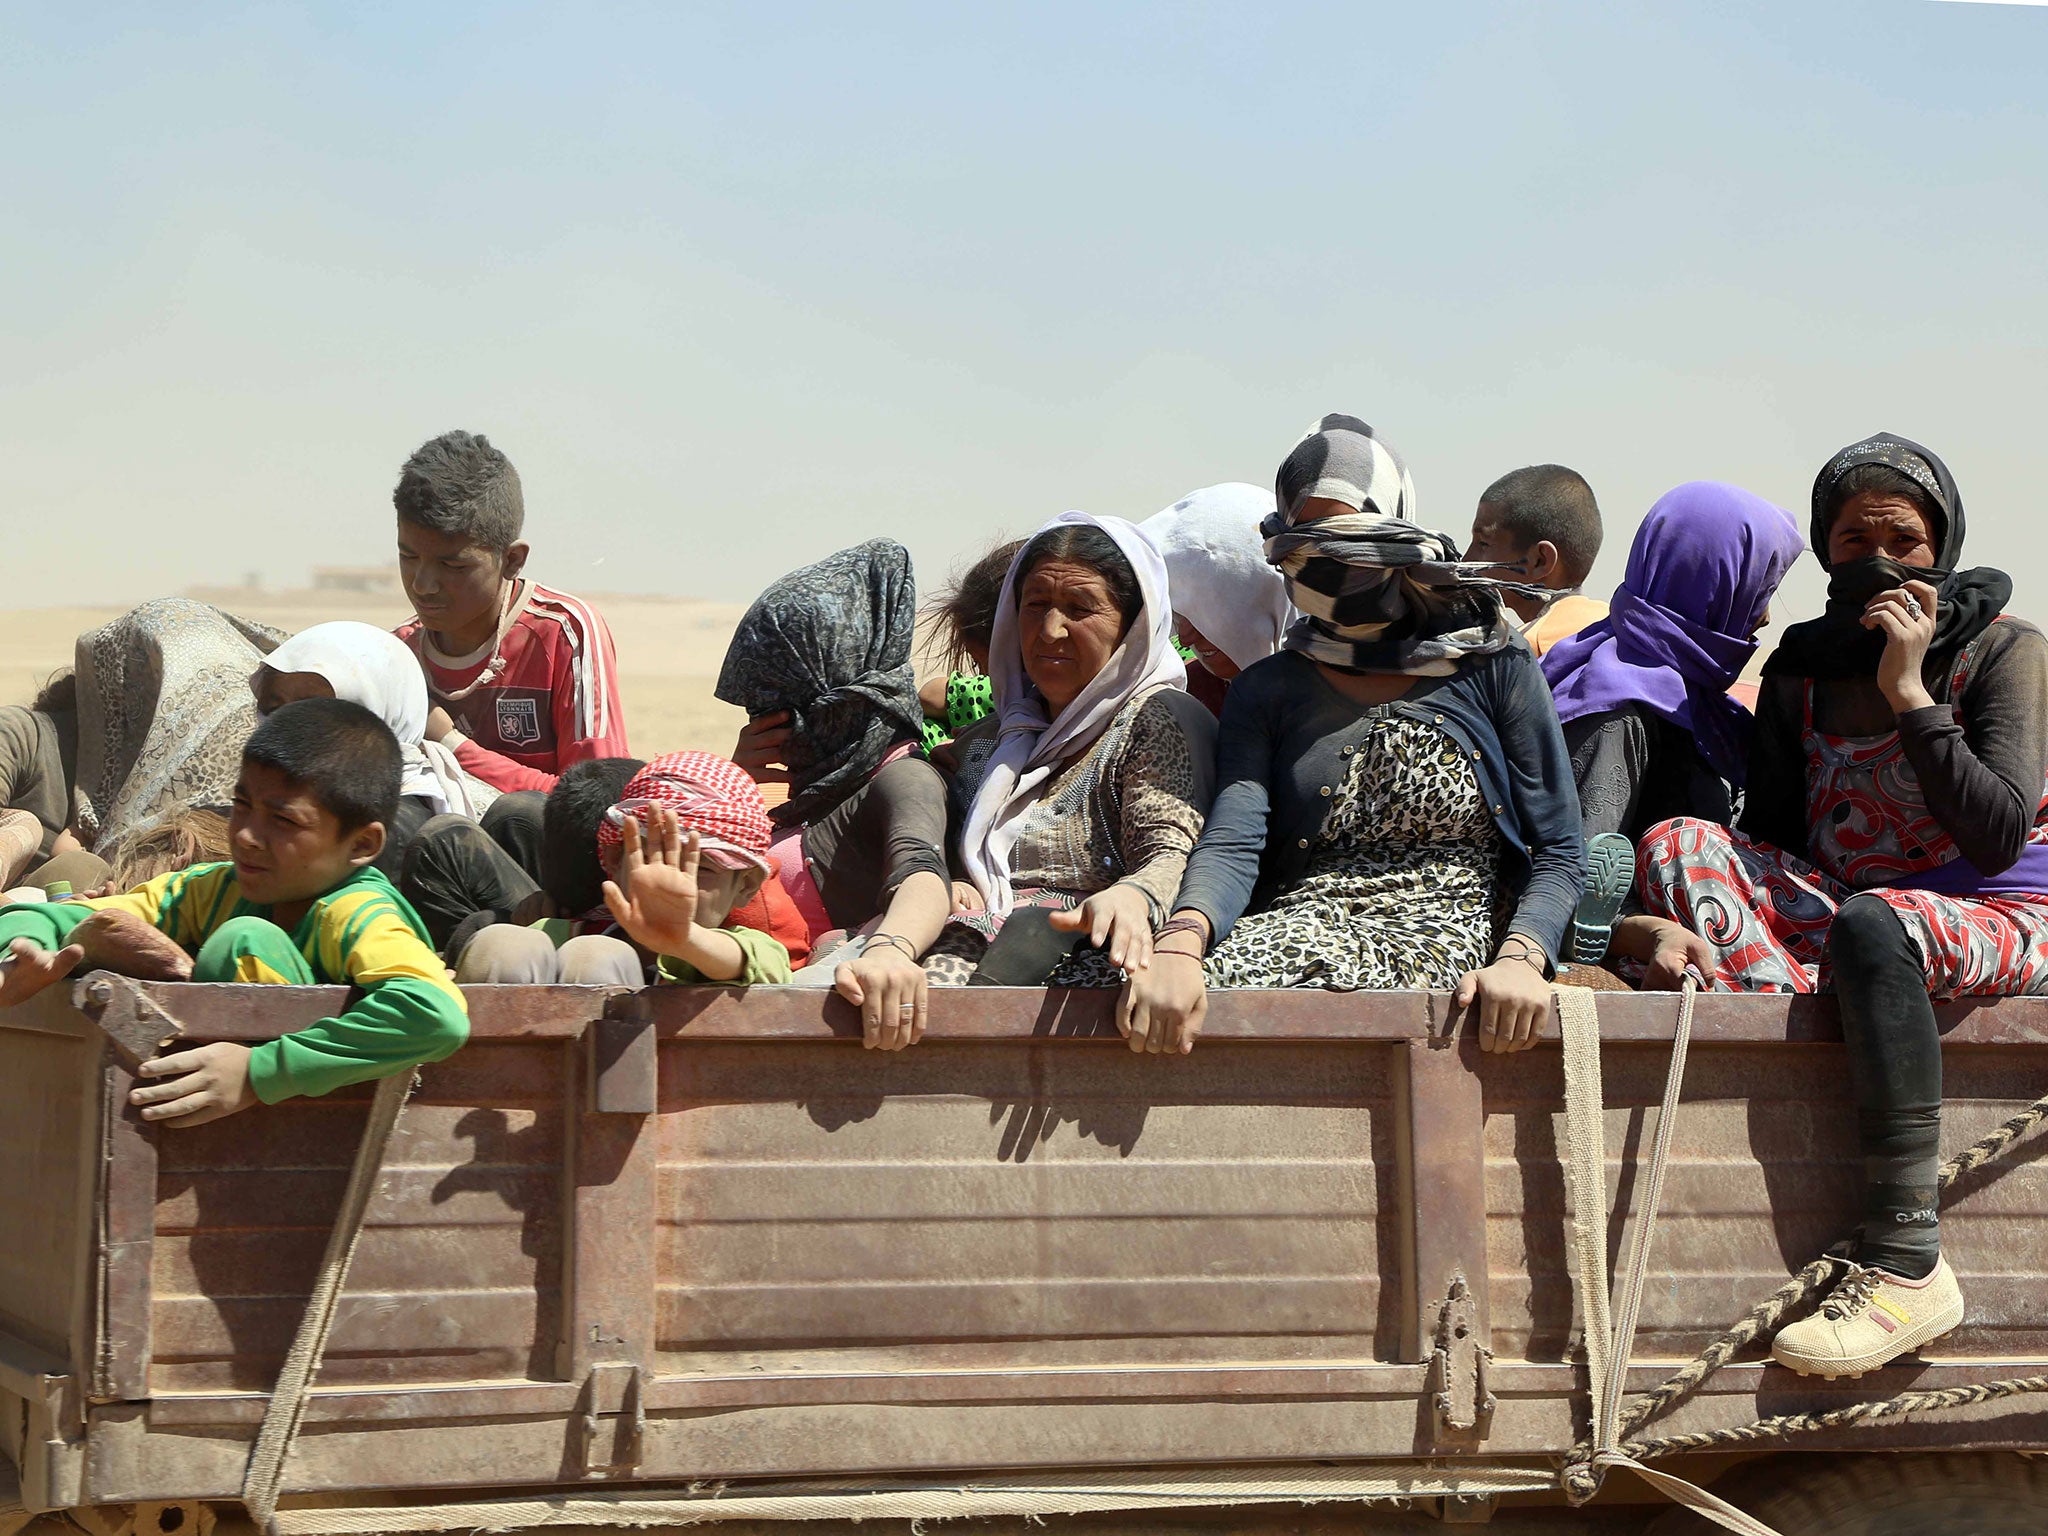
(1609, 1340)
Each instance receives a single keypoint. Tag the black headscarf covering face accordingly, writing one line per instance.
(1836, 645)
(831, 644)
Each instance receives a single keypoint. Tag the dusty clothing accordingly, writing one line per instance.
(164, 710)
(1127, 810)
(514, 956)
(1400, 886)
(38, 761)
(1634, 768)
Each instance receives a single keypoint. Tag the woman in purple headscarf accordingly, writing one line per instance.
(1643, 693)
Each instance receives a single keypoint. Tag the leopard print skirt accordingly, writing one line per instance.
(1400, 887)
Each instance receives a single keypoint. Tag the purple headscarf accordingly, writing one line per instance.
(1700, 577)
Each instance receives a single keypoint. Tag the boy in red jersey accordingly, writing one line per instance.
(523, 679)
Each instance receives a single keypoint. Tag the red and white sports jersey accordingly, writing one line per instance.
(554, 702)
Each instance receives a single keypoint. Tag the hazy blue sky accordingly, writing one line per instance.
(738, 285)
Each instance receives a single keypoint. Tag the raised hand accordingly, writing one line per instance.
(655, 899)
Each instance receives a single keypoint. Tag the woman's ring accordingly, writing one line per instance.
(1913, 608)
(906, 1007)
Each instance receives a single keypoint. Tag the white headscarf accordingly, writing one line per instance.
(1217, 571)
(367, 666)
(1030, 745)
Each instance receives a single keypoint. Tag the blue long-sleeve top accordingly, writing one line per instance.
(1287, 739)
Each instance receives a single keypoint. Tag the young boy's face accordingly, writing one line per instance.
(286, 845)
(720, 890)
(454, 585)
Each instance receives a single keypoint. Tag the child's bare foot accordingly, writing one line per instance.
(114, 940)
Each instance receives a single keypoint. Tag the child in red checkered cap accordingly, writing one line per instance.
(684, 849)
(686, 846)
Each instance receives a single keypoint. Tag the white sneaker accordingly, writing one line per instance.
(1869, 1319)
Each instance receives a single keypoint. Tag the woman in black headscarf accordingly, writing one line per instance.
(821, 665)
(1894, 846)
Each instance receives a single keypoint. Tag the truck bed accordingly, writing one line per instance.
(700, 1233)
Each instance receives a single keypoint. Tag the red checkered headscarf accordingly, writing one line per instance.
(711, 796)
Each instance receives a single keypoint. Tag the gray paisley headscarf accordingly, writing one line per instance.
(831, 644)
(1377, 592)
(164, 710)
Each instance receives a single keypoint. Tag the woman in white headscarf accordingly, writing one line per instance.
(1080, 798)
(367, 666)
(1230, 605)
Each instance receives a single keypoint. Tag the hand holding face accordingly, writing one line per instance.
(759, 751)
(1905, 617)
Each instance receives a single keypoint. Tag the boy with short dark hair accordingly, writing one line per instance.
(300, 903)
(523, 678)
(1542, 523)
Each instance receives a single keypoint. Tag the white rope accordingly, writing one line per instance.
(1609, 1342)
(1077, 1493)
(265, 1476)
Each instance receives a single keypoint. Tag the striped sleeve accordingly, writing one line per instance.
(589, 722)
(409, 1011)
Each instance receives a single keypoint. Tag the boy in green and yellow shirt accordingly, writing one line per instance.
(299, 904)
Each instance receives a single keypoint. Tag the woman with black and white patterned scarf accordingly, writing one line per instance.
(1395, 804)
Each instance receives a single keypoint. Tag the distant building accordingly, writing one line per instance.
(366, 580)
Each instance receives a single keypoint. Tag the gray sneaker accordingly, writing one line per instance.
(1610, 876)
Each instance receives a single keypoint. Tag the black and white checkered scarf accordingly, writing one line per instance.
(1377, 592)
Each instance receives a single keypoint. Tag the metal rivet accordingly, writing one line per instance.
(1496, 810)
(1439, 720)
(1326, 791)
(1302, 844)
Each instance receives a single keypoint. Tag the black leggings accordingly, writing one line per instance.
(1895, 1066)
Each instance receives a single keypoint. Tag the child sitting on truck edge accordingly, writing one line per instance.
(684, 851)
(523, 678)
(300, 903)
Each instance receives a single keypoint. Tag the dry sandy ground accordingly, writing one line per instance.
(669, 654)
